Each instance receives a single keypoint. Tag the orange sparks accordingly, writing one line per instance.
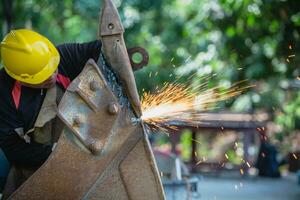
(183, 104)
(199, 162)
(226, 156)
(196, 141)
(242, 171)
(294, 155)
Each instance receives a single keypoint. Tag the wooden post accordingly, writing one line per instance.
(174, 138)
(8, 14)
(194, 149)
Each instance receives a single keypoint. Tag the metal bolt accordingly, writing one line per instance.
(95, 146)
(93, 85)
(113, 108)
(111, 26)
(77, 121)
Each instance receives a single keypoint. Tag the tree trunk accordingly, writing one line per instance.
(8, 15)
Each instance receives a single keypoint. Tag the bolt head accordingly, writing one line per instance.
(93, 85)
(113, 108)
(95, 146)
(77, 121)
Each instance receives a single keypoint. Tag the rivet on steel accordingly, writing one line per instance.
(93, 85)
(76, 121)
(95, 146)
(113, 108)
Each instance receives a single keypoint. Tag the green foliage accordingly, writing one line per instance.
(233, 158)
(290, 118)
(186, 143)
(235, 39)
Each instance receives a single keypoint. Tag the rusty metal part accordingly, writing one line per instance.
(93, 86)
(114, 49)
(97, 100)
(103, 151)
(99, 155)
(143, 53)
(113, 108)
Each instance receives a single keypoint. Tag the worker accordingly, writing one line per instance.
(34, 76)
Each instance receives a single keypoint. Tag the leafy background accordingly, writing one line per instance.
(234, 39)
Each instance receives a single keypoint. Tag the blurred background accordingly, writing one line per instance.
(250, 145)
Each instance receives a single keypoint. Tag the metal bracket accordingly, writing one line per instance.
(145, 57)
(93, 103)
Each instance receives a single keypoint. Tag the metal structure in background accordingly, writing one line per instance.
(103, 152)
(250, 127)
(178, 183)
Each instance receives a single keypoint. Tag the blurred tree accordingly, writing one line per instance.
(256, 40)
(8, 15)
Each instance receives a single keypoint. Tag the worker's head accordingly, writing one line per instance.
(29, 58)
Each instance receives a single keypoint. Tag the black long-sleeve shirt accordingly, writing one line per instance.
(72, 60)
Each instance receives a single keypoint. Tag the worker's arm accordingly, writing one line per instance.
(16, 149)
(75, 55)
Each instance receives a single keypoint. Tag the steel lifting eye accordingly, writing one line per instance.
(139, 57)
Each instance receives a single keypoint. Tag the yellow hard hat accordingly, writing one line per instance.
(28, 56)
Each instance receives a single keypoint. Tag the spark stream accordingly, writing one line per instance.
(183, 104)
